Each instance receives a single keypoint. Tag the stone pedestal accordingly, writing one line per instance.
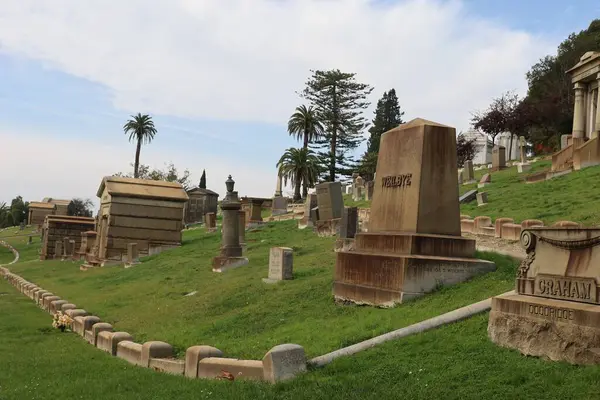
(231, 250)
(255, 218)
(555, 312)
(414, 242)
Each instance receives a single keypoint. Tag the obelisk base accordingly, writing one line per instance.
(553, 329)
(384, 269)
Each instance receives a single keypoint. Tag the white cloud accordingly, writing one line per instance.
(244, 59)
(43, 166)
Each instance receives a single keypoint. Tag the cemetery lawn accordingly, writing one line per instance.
(235, 311)
(572, 197)
(457, 361)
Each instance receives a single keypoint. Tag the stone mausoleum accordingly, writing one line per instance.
(582, 148)
(201, 201)
(146, 212)
(48, 206)
(58, 227)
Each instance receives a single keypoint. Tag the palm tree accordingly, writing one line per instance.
(140, 128)
(298, 166)
(305, 124)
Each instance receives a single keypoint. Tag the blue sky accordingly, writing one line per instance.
(221, 85)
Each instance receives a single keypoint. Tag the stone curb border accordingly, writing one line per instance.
(14, 251)
(281, 363)
(505, 228)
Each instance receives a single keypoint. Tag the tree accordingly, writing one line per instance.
(297, 166)
(141, 129)
(80, 207)
(507, 113)
(465, 150)
(170, 175)
(202, 184)
(18, 210)
(339, 101)
(304, 124)
(387, 116)
(368, 165)
(5, 216)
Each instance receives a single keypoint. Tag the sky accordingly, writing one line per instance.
(220, 77)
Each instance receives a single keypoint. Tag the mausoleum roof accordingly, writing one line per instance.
(142, 188)
(39, 204)
(202, 191)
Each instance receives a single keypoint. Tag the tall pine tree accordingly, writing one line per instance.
(387, 116)
(339, 101)
(203, 180)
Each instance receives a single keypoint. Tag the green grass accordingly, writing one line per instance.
(453, 362)
(573, 197)
(236, 311)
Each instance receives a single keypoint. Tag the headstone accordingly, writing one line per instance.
(278, 187)
(415, 201)
(256, 210)
(29, 239)
(485, 180)
(314, 214)
(498, 158)
(460, 176)
(468, 197)
(370, 186)
(468, 173)
(523, 166)
(522, 148)
(210, 221)
(482, 198)
(359, 185)
(279, 205)
(329, 200)
(349, 222)
(555, 312)
(66, 250)
(281, 264)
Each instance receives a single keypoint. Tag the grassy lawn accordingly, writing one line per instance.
(574, 197)
(236, 311)
(454, 362)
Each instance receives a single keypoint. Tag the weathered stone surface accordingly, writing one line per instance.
(329, 200)
(482, 198)
(523, 167)
(239, 369)
(281, 264)
(279, 205)
(194, 354)
(108, 341)
(349, 222)
(498, 158)
(284, 362)
(167, 365)
(96, 329)
(155, 349)
(56, 306)
(511, 231)
(67, 306)
(498, 225)
(130, 352)
(468, 197)
(552, 329)
(556, 311)
(528, 223)
(77, 312)
(414, 242)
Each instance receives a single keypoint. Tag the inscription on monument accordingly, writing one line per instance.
(550, 312)
(566, 288)
(394, 181)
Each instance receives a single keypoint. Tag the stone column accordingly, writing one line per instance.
(231, 251)
(278, 187)
(597, 125)
(579, 111)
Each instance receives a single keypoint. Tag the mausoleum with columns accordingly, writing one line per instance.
(582, 148)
